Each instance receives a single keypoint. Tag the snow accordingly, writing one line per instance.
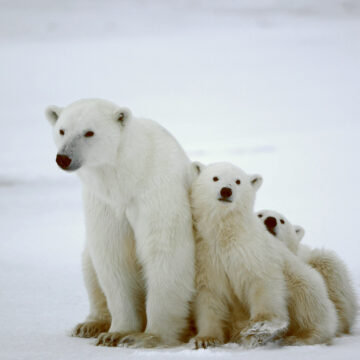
(271, 85)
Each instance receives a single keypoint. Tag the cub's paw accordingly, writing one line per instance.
(203, 342)
(90, 329)
(110, 338)
(251, 342)
(261, 332)
(141, 340)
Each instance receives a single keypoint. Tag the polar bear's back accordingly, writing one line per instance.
(165, 156)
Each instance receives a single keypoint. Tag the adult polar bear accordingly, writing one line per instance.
(139, 240)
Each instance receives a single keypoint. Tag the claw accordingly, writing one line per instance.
(205, 342)
(90, 329)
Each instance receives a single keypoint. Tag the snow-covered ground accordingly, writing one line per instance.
(272, 85)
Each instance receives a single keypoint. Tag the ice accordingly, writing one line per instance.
(271, 85)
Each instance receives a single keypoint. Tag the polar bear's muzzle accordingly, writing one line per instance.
(271, 223)
(66, 163)
(63, 161)
(69, 155)
(225, 195)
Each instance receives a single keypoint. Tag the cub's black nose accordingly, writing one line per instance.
(225, 192)
(63, 161)
(270, 223)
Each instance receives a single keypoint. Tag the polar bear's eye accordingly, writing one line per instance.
(260, 215)
(89, 134)
(215, 178)
(238, 182)
(62, 132)
(282, 221)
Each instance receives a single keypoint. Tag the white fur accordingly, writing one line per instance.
(247, 282)
(327, 263)
(139, 240)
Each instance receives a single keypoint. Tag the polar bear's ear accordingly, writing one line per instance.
(52, 113)
(122, 115)
(198, 167)
(299, 231)
(256, 181)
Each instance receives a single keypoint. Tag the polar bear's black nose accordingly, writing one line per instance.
(225, 192)
(63, 161)
(270, 222)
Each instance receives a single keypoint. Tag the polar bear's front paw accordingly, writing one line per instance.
(90, 329)
(205, 341)
(142, 340)
(110, 338)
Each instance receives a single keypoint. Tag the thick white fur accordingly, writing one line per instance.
(327, 263)
(243, 273)
(139, 237)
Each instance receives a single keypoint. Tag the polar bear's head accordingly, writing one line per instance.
(87, 132)
(281, 228)
(223, 188)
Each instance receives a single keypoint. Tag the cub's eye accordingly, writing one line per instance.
(215, 178)
(62, 132)
(282, 221)
(260, 215)
(89, 134)
(238, 182)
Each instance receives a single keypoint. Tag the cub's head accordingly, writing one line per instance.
(280, 227)
(87, 133)
(223, 188)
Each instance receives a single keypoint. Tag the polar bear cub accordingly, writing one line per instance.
(326, 262)
(247, 283)
(139, 253)
(239, 269)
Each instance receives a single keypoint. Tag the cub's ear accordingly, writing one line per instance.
(122, 115)
(198, 167)
(299, 231)
(52, 113)
(256, 181)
